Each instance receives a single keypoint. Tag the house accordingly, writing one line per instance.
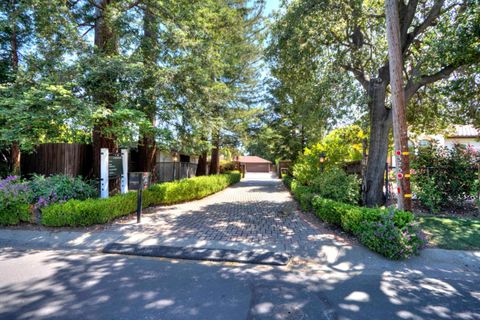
(255, 164)
(466, 135)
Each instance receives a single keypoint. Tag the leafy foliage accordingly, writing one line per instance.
(329, 58)
(386, 238)
(15, 197)
(179, 73)
(339, 146)
(445, 177)
(337, 185)
(60, 188)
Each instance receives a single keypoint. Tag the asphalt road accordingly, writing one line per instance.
(42, 284)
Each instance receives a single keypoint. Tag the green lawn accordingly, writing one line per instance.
(452, 233)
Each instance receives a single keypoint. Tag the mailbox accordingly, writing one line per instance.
(138, 180)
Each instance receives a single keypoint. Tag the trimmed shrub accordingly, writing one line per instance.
(336, 184)
(393, 233)
(95, 211)
(330, 211)
(14, 201)
(75, 213)
(302, 194)
(287, 180)
(226, 166)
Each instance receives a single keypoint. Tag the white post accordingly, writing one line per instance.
(124, 186)
(104, 173)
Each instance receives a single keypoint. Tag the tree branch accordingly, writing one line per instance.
(407, 13)
(133, 4)
(431, 17)
(87, 31)
(359, 75)
(414, 84)
(95, 4)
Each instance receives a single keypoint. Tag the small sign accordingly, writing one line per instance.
(138, 180)
(115, 166)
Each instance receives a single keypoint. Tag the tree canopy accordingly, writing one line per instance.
(178, 74)
(339, 48)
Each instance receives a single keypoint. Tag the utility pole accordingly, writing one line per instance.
(400, 135)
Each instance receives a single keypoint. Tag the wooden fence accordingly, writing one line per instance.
(73, 159)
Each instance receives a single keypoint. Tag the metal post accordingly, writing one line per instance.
(139, 205)
(139, 200)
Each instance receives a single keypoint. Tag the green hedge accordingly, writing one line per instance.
(14, 214)
(392, 233)
(95, 211)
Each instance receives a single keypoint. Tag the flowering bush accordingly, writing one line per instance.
(59, 188)
(388, 239)
(15, 197)
(445, 177)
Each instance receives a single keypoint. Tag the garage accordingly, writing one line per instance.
(257, 167)
(255, 164)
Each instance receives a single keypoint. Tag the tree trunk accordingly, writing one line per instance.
(15, 147)
(147, 150)
(147, 145)
(15, 158)
(101, 140)
(106, 41)
(202, 165)
(215, 162)
(380, 124)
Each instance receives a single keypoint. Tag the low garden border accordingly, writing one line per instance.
(76, 213)
(389, 232)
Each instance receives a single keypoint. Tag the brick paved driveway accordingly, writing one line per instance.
(256, 212)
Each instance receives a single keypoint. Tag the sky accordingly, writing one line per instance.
(271, 5)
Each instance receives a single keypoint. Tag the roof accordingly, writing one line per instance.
(464, 131)
(252, 159)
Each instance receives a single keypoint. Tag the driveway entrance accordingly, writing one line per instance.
(257, 212)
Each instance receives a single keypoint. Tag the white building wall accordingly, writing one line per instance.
(450, 142)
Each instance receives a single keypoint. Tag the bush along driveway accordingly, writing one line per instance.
(391, 233)
(75, 213)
